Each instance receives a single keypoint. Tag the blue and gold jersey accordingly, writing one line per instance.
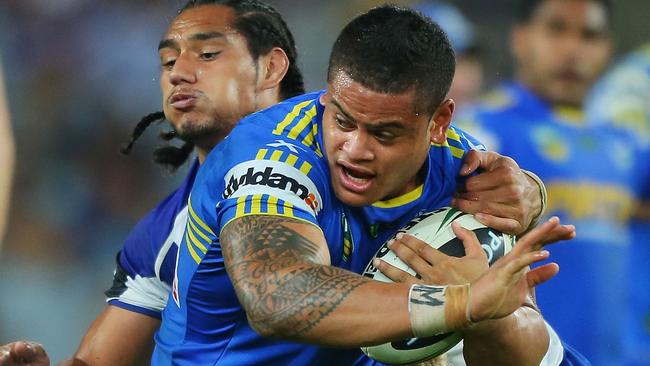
(273, 164)
(622, 99)
(592, 181)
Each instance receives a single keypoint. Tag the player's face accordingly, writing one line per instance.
(208, 77)
(563, 49)
(376, 144)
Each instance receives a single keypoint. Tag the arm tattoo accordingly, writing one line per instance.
(279, 276)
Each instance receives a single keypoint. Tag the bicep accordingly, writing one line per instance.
(130, 333)
(275, 241)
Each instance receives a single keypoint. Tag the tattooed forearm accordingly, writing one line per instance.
(280, 277)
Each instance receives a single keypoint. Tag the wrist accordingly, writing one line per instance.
(438, 309)
(539, 193)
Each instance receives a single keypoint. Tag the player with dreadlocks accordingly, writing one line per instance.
(220, 61)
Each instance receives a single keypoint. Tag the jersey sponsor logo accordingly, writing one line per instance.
(256, 176)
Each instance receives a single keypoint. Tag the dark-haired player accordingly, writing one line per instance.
(267, 264)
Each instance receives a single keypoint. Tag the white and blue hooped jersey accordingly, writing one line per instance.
(145, 265)
(592, 179)
(273, 164)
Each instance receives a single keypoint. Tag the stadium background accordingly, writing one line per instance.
(80, 74)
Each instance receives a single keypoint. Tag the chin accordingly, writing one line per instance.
(352, 199)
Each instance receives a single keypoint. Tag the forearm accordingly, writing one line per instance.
(329, 306)
(281, 273)
(518, 339)
(117, 329)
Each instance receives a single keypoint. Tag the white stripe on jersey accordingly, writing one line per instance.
(175, 236)
(148, 293)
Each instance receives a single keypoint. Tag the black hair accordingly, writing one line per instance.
(391, 49)
(264, 28)
(527, 8)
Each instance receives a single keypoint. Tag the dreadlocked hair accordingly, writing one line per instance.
(264, 28)
(169, 156)
(139, 130)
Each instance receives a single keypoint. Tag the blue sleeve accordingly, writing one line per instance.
(145, 265)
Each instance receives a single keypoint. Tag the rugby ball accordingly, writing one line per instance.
(435, 229)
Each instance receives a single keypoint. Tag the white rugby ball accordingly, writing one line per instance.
(435, 229)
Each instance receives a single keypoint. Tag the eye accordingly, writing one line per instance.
(168, 64)
(343, 123)
(385, 136)
(209, 56)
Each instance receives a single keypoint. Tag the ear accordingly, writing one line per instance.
(441, 121)
(273, 67)
(325, 97)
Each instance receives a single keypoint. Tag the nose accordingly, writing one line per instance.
(183, 71)
(358, 147)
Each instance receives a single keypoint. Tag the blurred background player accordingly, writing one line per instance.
(468, 80)
(560, 48)
(622, 99)
(7, 153)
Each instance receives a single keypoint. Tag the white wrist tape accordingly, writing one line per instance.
(438, 309)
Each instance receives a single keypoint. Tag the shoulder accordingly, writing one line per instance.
(150, 242)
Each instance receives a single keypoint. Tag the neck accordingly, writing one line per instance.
(202, 153)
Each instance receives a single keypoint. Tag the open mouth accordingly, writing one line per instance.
(355, 180)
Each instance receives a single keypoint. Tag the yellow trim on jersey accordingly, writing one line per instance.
(196, 230)
(288, 209)
(452, 134)
(198, 220)
(309, 139)
(291, 160)
(195, 256)
(318, 150)
(401, 200)
(241, 205)
(271, 205)
(196, 242)
(455, 152)
(261, 153)
(570, 115)
(277, 154)
(256, 203)
(305, 167)
(302, 124)
(290, 117)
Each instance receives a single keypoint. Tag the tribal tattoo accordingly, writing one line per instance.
(281, 277)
